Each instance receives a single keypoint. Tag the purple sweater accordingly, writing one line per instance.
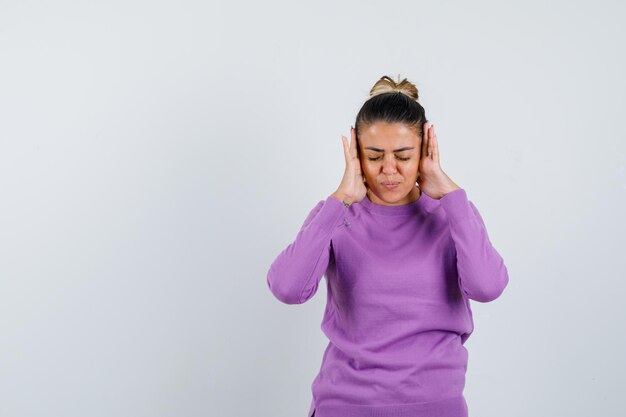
(399, 280)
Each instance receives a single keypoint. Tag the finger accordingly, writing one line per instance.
(353, 142)
(435, 146)
(430, 142)
(346, 151)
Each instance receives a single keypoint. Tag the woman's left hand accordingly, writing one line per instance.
(431, 179)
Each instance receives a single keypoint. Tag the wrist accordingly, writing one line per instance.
(449, 189)
(343, 197)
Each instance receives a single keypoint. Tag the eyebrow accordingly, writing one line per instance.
(406, 148)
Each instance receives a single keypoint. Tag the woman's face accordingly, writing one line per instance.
(390, 153)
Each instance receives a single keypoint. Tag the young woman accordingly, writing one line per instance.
(403, 251)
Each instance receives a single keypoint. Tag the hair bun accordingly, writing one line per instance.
(388, 85)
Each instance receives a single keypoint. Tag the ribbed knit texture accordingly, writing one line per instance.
(399, 280)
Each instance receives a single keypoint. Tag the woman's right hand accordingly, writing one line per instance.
(352, 188)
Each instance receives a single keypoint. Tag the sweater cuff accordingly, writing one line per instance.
(330, 215)
(456, 205)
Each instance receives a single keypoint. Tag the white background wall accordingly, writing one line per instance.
(155, 157)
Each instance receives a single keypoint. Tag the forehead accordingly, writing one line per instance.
(388, 136)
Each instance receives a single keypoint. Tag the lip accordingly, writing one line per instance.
(391, 185)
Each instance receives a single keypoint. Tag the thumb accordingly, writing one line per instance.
(346, 151)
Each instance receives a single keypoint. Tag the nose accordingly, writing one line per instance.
(389, 165)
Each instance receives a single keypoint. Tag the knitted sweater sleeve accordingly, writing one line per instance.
(295, 274)
(482, 273)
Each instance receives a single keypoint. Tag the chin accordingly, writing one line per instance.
(393, 196)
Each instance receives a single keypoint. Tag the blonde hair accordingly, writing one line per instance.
(387, 85)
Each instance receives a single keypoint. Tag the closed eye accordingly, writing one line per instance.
(378, 157)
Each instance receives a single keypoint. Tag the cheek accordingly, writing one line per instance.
(411, 165)
(412, 169)
(367, 166)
